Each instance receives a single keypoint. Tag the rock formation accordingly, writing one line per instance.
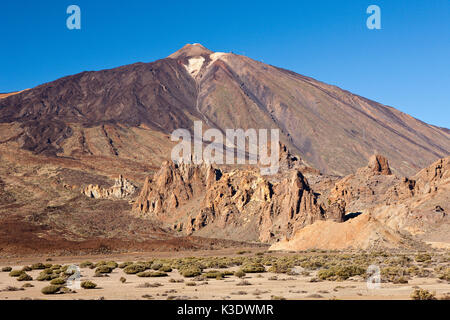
(121, 189)
(238, 203)
(419, 204)
(384, 210)
(367, 187)
(379, 165)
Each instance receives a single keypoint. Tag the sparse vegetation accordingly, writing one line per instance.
(146, 274)
(125, 264)
(190, 272)
(423, 257)
(397, 268)
(165, 268)
(16, 273)
(103, 269)
(244, 283)
(150, 285)
(253, 268)
(24, 277)
(134, 268)
(191, 284)
(86, 264)
(445, 274)
(52, 289)
(340, 273)
(88, 285)
(58, 281)
(38, 266)
(422, 294)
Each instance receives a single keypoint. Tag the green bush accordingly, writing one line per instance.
(125, 264)
(423, 257)
(51, 289)
(16, 273)
(190, 284)
(58, 281)
(86, 264)
(37, 266)
(445, 275)
(24, 277)
(43, 276)
(340, 272)
(165, 269)
(26, 268)
(27, 285)
(134, 268)
(422, 294)
(6, 269)
(112, 264)
(279, 268)
(47, 271)
(253, 268)
(400, 280)
(100, 263)
(103, 269)
(156, 266)
(88, 285)
(239, 274)
(190, 272)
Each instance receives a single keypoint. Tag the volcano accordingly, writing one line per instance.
(128, 113)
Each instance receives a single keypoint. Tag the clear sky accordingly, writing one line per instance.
(406, 64)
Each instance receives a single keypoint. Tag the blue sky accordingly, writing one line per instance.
(406, 64)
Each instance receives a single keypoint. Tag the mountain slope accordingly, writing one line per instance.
(334, 130)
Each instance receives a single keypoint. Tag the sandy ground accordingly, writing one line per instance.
(262, 286)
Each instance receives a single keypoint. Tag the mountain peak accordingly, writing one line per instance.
(191, 50)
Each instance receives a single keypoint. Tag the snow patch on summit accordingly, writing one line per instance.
(194, 65)
(216, 56)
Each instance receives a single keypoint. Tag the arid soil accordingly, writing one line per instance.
(286, 276)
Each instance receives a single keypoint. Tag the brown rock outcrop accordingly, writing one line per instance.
(236, 204)
(365, 188)
(121, 189)
(379, 165)
(390, 208)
